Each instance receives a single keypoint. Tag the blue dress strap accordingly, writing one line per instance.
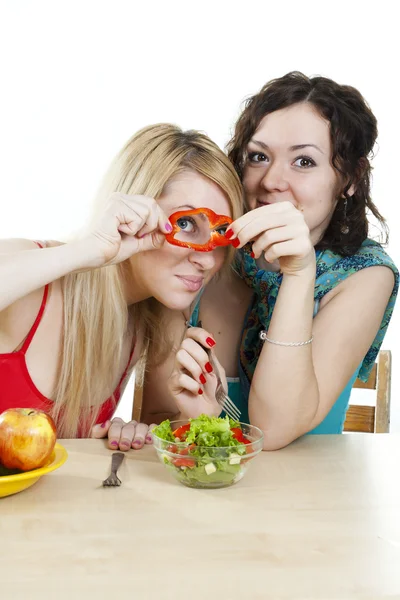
(194, 317)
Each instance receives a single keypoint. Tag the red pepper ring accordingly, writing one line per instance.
(216, 239)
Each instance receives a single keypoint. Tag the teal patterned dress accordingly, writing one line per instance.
(331, 269)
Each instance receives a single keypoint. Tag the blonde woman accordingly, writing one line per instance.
(76, 317)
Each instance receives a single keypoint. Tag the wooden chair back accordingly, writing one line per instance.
(373, 419)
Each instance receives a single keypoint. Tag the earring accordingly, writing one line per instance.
(344, 228)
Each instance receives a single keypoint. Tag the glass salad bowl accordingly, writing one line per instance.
(207, 466)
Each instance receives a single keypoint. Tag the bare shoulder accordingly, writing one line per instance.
(11, 245)
(377, 281)
(17, 318)
(378, 274)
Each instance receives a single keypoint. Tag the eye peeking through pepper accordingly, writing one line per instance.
(200, 229)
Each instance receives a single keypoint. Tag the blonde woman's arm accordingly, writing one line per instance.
(25, 268)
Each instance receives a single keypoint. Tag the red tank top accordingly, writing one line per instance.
(17, 389)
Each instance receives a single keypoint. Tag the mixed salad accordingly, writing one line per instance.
(204, 450)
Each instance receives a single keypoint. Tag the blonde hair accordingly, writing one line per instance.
(95, 308)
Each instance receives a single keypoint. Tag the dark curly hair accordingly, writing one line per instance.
(353, 131)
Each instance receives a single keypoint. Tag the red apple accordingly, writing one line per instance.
(27, 438)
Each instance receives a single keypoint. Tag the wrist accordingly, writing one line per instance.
(86, 255)
(304, 277)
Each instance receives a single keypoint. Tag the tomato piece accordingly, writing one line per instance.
(184, 462)
(185, 451)
(178, 433)
(171, 448)
(238, 434)
(236, 431)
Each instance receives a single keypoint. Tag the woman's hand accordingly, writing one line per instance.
(279, 232)
(128, 225)
(193, 382)
(123, 436)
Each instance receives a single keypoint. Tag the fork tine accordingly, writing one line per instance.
(113, 480)
(228, 412)
(228, 406)
(231, 410)
(235, 415)
(231, 405)
(226, 403)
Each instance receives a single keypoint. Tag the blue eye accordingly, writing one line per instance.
(222, 229)
(186, 224)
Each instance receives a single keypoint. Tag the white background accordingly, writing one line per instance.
(80, 77)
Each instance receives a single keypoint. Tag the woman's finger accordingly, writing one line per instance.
(140, 436)
(164, 223)
(190, 364)
(183, 382)
(273, 236)
(157, 220)
(139, 215)
(151, 241)
(265, 218)
(204, 337)
(127, 434)
(114, 433)
(149, 437)
(150, 224)
(100, 430)
(132, 213)
(299, 249)
(197, 352)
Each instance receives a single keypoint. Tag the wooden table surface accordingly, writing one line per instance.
(319, 519)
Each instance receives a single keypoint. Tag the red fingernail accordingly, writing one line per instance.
(113, 444)
(208, 367)
(203, 380)
(168, 227)
(236, 243)
(252, 255)
(149, 438)
(103, 424)
(200, 391)
(229, 233)
(210, 342)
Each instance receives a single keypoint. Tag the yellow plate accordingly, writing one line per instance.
(11, 484)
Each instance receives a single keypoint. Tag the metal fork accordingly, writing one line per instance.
(220, 395)
(112, 480)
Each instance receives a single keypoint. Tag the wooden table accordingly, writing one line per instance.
(319, 519)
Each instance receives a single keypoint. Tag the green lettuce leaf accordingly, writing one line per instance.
(164, 431)
(211, 431)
